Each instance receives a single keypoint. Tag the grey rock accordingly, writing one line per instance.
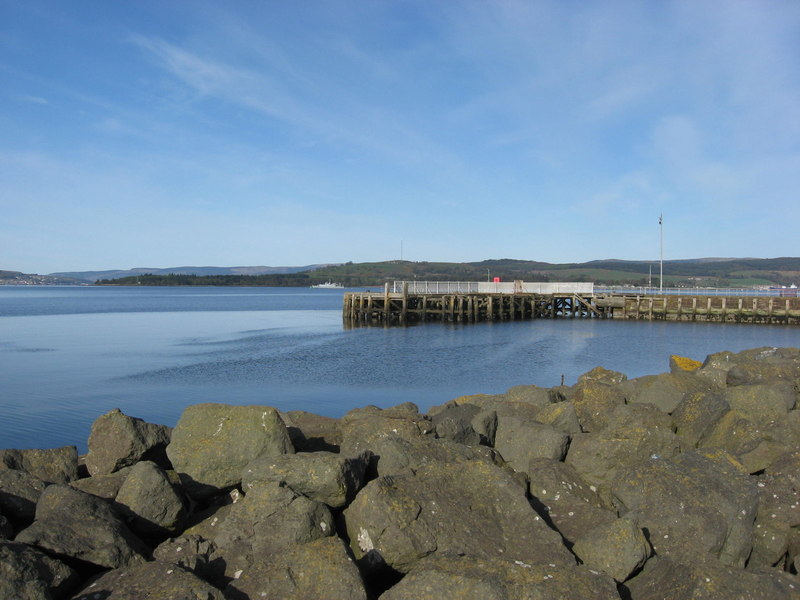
(29, 574)
(312, 433)
(103, 486)
(594, 401)
(149, 580)
(19, 493)
(320, 569)
(778, 513)
(469, 577)
(692, 504)
(603, 375)
(696, 414)
(270, 518)
(762, 403)
(530, 394)
(619, 548)
(332, 479)
(756, 372)
(117, 440)
(561, 415)
(598, 457)
(192, 552)
(519, 440)
(665, 391)
(666, 577)
(472, 508)
(150, 503)
(53, 465)
(565, 500)
(455, 423)
(360, 426)
(212, 443)
(393, 454)
(74, 524)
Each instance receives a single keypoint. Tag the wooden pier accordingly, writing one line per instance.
(407, 303)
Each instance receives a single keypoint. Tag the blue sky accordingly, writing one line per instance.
(166, 133)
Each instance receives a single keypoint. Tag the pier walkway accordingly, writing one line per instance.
(407, 302)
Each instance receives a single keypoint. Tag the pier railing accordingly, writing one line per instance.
(492, 287)
(696, 291)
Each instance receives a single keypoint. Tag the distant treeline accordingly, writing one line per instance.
(276, 280)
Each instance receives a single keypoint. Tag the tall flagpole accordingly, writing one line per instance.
(661, 229)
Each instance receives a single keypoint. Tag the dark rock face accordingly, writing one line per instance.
(149, 580)
(321, 569)
(454, 576)
(74, 524)
(312, 433)
(149, 502)
(268, 520)
(692, 504)
(400, 519)
(212, 443)
(103, 486)
(570, 504)
(618, 548)
(29, 574)
(329, 478)
(665, 577)
(118, 441)
(56, 465)
(19, 493)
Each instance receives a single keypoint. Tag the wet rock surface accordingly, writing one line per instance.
(681, 485)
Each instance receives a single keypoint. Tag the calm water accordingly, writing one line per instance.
(68, 355)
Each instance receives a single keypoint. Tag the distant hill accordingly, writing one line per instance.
(92, 276)
(714, 272)
(18, 278)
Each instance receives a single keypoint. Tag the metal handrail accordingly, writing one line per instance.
(474, 287)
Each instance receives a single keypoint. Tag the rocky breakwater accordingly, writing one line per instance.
(681, 485)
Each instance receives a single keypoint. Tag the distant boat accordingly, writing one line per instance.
(328, 285)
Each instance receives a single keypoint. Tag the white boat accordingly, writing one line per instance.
(328, 285)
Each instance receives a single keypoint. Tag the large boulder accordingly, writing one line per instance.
(19, 493)
(192, 552)
(530, 394)
(455, 423)
(602, 375)
(212, 443)
(520, 440)
(692, 504)
(332, 479)
(565, 500)
(696, 414)
(312, 433)
(664, 391)
(363, 425)
(392, 454)
(149, 501)
(561, 415)
(321, 569)
(633, 435)
(53, 465)
(473, 508)
(778, 514)
(29, 574)
(594, 401)
(618, 548)
(270, 518)
(149, 580)
(103, 486)
(667, 577)
(74, 524)
(762, 403)
(470, 577)
(117, 440)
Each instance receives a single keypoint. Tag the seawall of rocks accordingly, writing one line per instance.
(680, 485)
